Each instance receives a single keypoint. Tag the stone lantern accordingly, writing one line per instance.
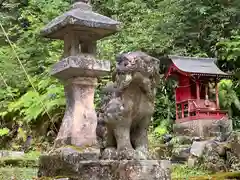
(79, 28)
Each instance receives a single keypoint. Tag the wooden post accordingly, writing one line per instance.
(182, 107)
(216, 94)
(198, 90)
(198, 95)
(206, 91)
(176, 104)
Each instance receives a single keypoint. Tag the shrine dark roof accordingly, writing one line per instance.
(197, 66)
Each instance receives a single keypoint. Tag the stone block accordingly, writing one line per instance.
(201, 127)
(192, 161)
(73, 167)
(181, 140)
(80, 66)
(162, 151)
(197, 148)
(181, 153)
(234, 143)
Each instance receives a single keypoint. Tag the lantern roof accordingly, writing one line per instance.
(82, 20)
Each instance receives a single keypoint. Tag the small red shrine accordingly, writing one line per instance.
(197, 91)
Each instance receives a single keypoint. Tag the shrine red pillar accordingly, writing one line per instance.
(198, 94)
(216, 92)
(198, 89)
(176, 104)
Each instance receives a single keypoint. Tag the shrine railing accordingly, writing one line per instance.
(193, 109)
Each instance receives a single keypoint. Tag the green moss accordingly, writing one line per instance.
(76, 148)
(219, 176)
(32, 155)
(18, 162)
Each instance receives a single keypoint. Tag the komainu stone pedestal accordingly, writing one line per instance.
(69, 163)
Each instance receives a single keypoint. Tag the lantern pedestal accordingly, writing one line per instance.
(69, 163)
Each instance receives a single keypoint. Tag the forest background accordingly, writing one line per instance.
(32, 103)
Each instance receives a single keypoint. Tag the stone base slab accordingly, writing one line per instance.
(74, 168)
(202, 127)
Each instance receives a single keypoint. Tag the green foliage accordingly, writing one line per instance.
(183, 172)
(229, 49)
(4, 131)
(34, 104)
(227, 95)
(28, 92)
(17, 173)
(161, 129)
(229, 53)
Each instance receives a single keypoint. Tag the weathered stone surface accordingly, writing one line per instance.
(217, 156)
(80, 120)
(162, 152)
(232, 161)
(74, 168)
(81, 154)
(181, 153)
(81, 65)
(211, 158)
(93, 26)
(203, 128)
(192, 161)
(197, 148)
(14, 154)
(211, 154)
(129, 106)
(234, 143)
(181, 140)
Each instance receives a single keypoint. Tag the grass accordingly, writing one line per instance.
(183, 172)
(28, 160)
(9, 173)
(22, 168)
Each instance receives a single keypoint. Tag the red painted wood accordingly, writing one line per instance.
(192, 118)
(176, 107)
(192, 92)
(182, 107)
(198, 90)
(217, 98)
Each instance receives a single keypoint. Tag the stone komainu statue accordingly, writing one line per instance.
(128, 106)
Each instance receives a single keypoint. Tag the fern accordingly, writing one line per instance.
(32, 104)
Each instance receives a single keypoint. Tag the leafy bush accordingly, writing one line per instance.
(4, 131)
